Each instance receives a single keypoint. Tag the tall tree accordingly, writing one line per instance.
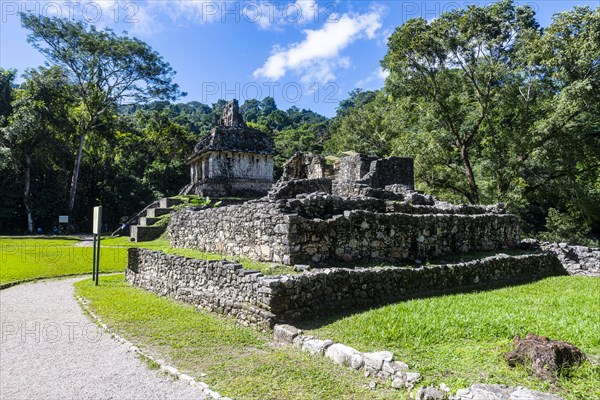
(362, 124)
(250, 110)
(108, 70)
(454, 67)
(40, 109)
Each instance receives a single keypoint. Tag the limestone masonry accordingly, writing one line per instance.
(226, 287)
(366, 210)
(233, 160)
(326, 229)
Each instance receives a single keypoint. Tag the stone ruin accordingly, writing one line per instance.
(334, 221)
(234, 160)
(363, 209)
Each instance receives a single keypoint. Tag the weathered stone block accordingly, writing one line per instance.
(316, 346)
(157, 212)
(342, 354)
(285, 333)
(375, 360)
(169, 202)
(146, 233)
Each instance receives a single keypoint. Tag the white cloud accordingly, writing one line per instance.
(374, 80)
(384, 36)
(185, 11)
(143, 23)
(382, 73)
(148, 18)
(266, 14)
(318, 55)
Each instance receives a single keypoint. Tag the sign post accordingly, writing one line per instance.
(96, 230)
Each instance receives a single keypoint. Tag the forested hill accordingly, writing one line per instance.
(492, 107)
(293, 129)
(136, 156)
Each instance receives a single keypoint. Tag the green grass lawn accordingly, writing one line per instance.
(163, 244)
(456, 339)
(28, 258)
(34, 258)
(238, 362)
(461, 339)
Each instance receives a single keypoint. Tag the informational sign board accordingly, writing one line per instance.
(63, 219)
(97, 227)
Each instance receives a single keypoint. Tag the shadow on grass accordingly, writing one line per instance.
(316, 322)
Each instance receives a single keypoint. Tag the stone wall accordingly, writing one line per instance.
(253, 229)
(576, 260)
(364, 235)
(377, 173)
(291, 188)
(390, 171)
(328, 229)
(306, 166)
(226, 164)
(353, 168)
(260, 300)
(215, 188)
(219, 286)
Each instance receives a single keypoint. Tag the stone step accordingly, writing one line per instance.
(168, 202)
(146, 233)
(148, 221)
(157, 212)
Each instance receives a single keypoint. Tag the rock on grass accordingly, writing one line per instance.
(544, 357)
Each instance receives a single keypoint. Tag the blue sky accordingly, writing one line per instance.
(305, 53)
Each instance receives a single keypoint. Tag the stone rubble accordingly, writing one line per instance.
(501, 392)
(577, 260)
(380, 365)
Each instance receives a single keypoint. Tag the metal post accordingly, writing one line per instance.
(94, 259)
(98, 261)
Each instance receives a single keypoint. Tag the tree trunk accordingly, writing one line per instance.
(473, 190)
(75, 176)
(27, 193)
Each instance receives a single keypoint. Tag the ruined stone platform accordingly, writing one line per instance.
(255, 299)
(321, 229)
(363, 208)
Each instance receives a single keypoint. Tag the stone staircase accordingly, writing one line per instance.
(146, 230)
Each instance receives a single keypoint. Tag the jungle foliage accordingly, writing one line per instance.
(493, 108)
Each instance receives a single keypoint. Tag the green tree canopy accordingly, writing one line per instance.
(107, 70)
(40, 112)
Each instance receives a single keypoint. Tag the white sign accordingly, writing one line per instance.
(97, 227)
(63, 219)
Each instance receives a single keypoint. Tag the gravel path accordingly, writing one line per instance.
(50, 350)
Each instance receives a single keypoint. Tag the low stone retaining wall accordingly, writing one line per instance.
(219, 286)
(263, 301)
